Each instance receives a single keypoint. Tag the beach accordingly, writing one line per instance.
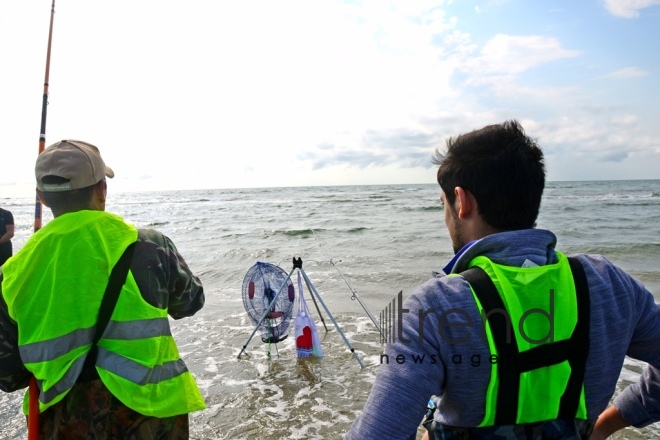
(371, 240)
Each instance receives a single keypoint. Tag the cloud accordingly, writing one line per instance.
(628, 8)
(627, 72)
(615, 156)
(355, 158)
(509, 55)
(490, 4)
(624, 121)
(400, 147)
(325, 146)
(398, 139)
(599, 139)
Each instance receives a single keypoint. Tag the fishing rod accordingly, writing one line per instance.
(44, 107)
(355, 295)
(33, 389)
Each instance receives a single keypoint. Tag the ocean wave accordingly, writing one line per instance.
(157, 224)
(634, 202)
(369, 199)
(596, 197)
(297, 232)
(309, 232)
(430, 208)
(618, 250)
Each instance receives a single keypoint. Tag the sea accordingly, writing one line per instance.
(359, 247)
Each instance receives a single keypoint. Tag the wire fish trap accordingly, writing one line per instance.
(261, 286)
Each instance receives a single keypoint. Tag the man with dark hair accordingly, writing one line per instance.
(6, 234)
(515, 339)
(84, 310)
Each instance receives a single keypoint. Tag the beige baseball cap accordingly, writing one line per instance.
(78, 161)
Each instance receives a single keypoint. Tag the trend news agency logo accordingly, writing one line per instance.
(392, 329)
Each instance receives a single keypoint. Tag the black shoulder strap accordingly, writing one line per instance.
(108, 303)
(579, 346)
(511, 362)
(508, 372)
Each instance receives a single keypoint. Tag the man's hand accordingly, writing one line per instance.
(608, 423)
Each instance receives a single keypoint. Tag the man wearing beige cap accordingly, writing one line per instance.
(84, 309)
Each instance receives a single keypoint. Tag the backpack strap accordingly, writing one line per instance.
(108, 303)
(508, 371)
(579, 346)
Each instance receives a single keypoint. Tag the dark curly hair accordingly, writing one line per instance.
(502, 167)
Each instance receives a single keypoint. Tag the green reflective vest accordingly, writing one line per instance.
(53, 289)
(538, 326)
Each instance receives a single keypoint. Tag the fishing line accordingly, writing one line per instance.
(355, 295)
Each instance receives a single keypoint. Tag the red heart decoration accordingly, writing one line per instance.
(305, 340)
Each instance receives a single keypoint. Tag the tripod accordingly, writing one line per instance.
(297, 264)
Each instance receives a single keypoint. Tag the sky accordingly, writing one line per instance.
(256, 93)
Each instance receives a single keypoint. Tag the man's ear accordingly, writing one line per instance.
(41, 197)
(465, 201)
(100, 190)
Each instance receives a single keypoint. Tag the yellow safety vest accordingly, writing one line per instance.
(538, 326)
(53, 288)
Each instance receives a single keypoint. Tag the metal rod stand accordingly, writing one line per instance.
(297, 264)
(317, 307)
(311, 287)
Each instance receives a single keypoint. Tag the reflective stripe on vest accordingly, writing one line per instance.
(536, 377)
(137, 359)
